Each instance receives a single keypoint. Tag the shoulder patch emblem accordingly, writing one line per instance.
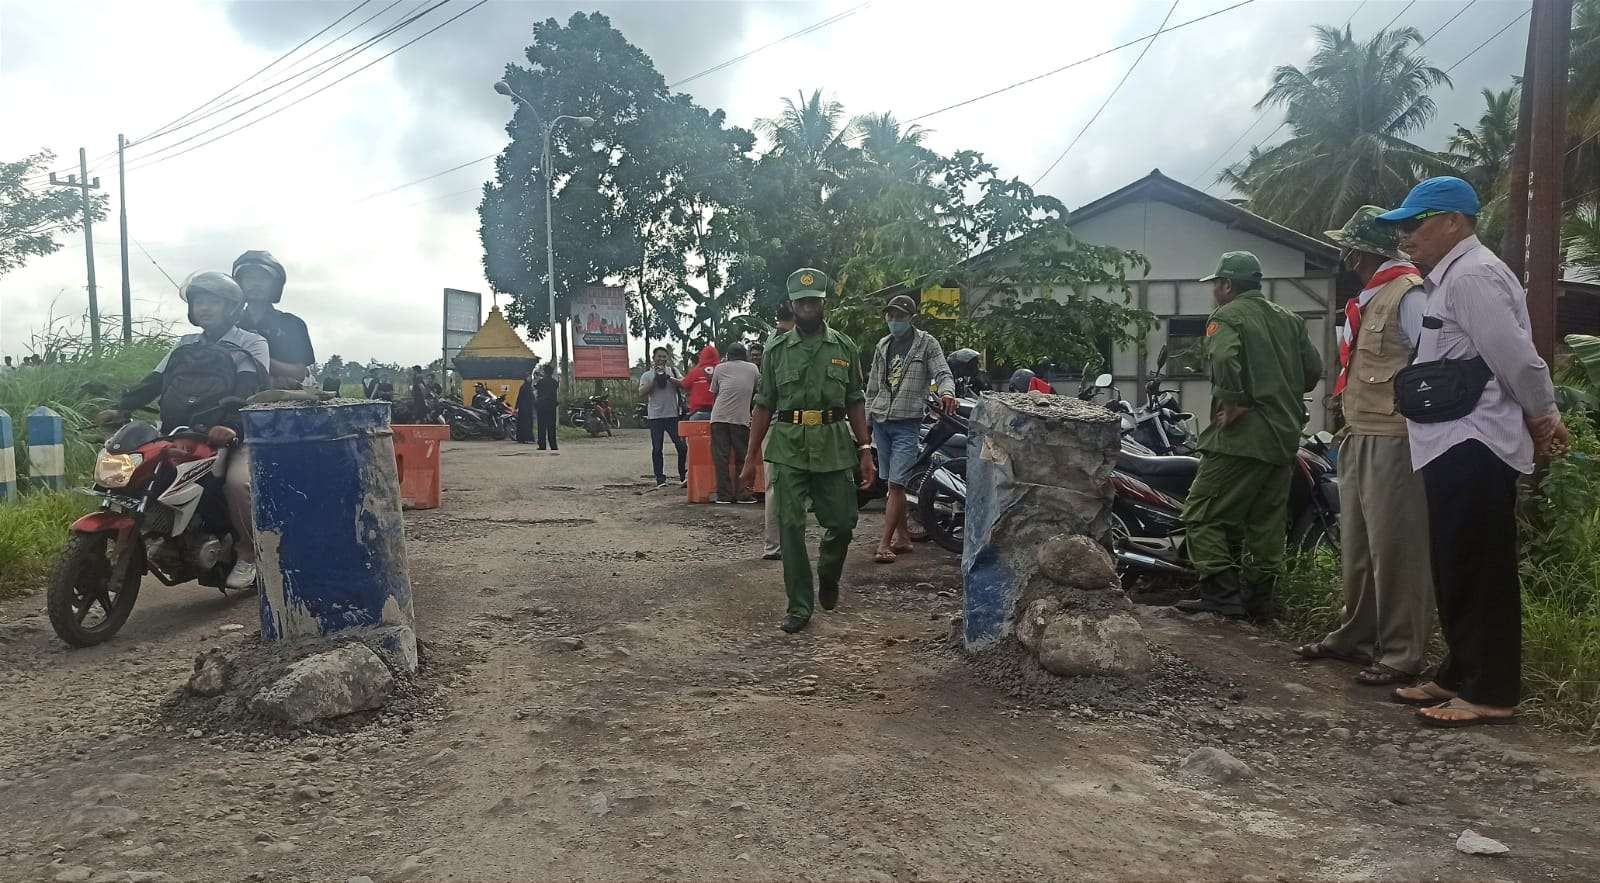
(842, 363)
(1212, 329)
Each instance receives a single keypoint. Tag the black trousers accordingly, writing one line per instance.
(1472, 520)
(729, 445)
(547, 426)
(660, 429)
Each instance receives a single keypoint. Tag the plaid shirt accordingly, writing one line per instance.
(925, 366)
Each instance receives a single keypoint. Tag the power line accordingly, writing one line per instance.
(1115, 89)
(157, 266)
(428, 178)
(345, 56)
(1360, 6)
(1520, 17)
(325, 88)
(800, 33)
(1449, 21)
(1082, 61)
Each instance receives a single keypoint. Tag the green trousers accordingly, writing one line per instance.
(1236, 524)
(832, 496)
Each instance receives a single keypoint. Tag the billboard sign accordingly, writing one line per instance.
(463, 316)
(600, 333)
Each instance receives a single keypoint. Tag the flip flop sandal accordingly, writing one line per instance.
(883, 556)
(902, 548)
(1432, 698)
(1456, 723)
(1318, 650)
(1380, 675)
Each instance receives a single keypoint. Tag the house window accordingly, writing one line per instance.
(1186, 337)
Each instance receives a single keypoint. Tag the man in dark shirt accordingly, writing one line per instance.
(262, 278)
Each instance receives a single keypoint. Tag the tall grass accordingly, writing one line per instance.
(32, 532)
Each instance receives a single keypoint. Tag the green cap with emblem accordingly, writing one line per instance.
(806, 282)
(1364, 232)
(1239, 266)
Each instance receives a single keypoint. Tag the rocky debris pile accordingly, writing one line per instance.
(1076, 619)
(288, 685)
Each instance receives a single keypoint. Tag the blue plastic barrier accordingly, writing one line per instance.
(8, 460)
(47, 454)
(329, 533)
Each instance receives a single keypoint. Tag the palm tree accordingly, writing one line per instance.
(810, 131)
(1350, 112)
(1485, 150)
(1580, 236)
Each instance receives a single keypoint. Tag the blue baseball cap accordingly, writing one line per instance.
(1441, 194)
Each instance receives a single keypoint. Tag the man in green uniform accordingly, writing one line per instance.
(812, 396)
(1261, 363)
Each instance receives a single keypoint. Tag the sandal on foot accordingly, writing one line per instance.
(1467, 718)
(902, 547)
(1380, 675)
(1318, 650)
(884, 556)
(1432, 694)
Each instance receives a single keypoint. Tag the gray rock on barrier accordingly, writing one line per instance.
(330, 684)
(212, 671)
(1077, 562)
(1083, 644)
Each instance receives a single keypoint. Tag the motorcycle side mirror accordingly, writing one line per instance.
(1103, 381)
(1161, 358)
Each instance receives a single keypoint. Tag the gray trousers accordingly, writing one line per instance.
(1383, 531)
(236, 490)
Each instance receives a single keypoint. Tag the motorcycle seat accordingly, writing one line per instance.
(1157, 466)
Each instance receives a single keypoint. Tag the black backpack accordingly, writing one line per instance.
(197, 378)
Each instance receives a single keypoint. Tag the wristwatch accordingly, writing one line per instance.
(864, 446)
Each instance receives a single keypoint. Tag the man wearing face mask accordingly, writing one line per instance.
(660, 386)
(810, 395)
(906, 362)
(262, 279)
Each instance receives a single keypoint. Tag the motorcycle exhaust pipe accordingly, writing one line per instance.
(1152, 563)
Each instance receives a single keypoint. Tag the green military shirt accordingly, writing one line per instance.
(1259, 355)
(800, 373)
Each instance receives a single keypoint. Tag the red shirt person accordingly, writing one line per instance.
(697, 384)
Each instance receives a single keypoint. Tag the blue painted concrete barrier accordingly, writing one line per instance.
(47, 455)
(8, 459)
(329, 533)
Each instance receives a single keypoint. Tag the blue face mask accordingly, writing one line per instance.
(898, 327)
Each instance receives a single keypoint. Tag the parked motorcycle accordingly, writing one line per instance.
(596, 416)
(161, 512)
(472, 423)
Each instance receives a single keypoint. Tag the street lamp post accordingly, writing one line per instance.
(504, 88)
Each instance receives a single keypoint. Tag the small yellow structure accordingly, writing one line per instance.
(495, 357)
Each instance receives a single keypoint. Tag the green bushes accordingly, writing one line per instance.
(32, 532)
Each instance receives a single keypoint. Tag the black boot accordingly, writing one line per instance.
(1220, 594)
(1260, 601)
(792, 623)
(828, 597)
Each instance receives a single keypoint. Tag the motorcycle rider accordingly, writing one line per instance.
(1261, 362)
(215, 304)
(262, 279)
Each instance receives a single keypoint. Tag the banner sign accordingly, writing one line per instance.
(600, 333)
(463, 316)
(942, 303)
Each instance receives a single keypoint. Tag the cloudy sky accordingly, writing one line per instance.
(367, 273)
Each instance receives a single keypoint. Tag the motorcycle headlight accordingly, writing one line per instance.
(116, 470)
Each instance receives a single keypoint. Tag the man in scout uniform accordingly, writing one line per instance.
(1383, 509)
(1261, 363)
(811, 395)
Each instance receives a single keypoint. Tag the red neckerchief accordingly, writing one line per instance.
(1352, 317)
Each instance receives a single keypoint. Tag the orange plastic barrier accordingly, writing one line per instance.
(702, 476)
(416, 457)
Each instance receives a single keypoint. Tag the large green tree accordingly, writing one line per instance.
(32, 220)
(1484, 151)
(1350, 112)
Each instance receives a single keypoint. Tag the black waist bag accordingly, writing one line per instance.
(1435, 392)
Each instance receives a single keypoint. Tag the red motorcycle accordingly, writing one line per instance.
(161, 512)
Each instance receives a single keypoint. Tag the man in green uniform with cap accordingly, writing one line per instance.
(1261, 363)
(812, 397)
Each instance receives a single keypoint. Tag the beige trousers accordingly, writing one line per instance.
(236, 490)
(1383, 531)
(770, 544)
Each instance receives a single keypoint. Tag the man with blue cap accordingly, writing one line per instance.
(1475, 338)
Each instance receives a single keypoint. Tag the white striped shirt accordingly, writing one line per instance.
(1484, 312)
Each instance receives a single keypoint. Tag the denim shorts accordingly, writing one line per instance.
(898, 442)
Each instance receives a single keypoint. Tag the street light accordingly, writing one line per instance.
(505, 89)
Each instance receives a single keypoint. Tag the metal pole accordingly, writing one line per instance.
(550, 246)
(88, 248)
(127, 284)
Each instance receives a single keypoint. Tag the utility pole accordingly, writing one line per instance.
(122, 205)
(1550, 34)
(82, 183)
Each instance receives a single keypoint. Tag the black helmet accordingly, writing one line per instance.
(265, 260)
(964, 362)
(1020, 380)
(217, 284)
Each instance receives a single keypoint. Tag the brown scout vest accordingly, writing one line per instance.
(1380, 352)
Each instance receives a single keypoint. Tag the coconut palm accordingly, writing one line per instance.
(1350, 112)
(1484, 151)
(1580, 236)
(812, 132)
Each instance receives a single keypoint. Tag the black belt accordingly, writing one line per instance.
(811, 418)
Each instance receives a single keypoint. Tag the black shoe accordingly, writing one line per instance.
(1206, 605)
(721, 502)
(792, 623)
(828, 597)
(771, 556)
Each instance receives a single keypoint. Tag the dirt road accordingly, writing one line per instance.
(689, 738)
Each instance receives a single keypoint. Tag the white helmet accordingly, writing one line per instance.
(217, 284)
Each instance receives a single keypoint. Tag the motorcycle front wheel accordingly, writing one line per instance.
(85, 607)
(458, 432)
(1314, 532)
(942, 514)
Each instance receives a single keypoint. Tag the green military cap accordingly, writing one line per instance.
(806, 282)
(1363, 232)
(1239, 266)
